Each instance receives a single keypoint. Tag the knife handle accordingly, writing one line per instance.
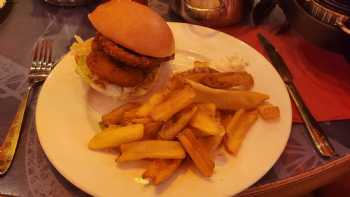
(319, 139)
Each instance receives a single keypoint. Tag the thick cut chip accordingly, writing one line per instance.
(175, 125)
(152, 129)
(225, 118)
(117, 114)
(195, 74)
(151, 149)
(146, 108)
(205, 120)
(228, 99)
(161, 169)
(268, 111)
(228, 80)
(114, 136)
(238, 128)
(211, 143)
(176, 101)
(199, 154)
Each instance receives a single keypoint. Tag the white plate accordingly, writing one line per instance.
(66, 122)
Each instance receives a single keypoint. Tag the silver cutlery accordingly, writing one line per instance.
(318, 137)
(42, 64)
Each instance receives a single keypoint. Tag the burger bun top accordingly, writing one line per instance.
(135, 27)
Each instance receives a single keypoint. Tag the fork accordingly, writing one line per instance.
(42, 64)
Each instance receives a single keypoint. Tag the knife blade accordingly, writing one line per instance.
(317, 135)
(276, 59)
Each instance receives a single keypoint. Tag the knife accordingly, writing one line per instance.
(318, 137)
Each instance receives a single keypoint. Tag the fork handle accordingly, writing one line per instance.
(319, 138)
(9, 145)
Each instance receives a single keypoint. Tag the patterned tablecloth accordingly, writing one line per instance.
(31, 173)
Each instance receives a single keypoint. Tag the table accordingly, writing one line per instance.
(299, 169)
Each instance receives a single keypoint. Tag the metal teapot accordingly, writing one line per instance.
(211, 12)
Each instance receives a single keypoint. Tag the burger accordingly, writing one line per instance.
(131, 44)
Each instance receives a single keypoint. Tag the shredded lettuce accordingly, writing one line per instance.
(81, 47)
(82, 69)
(80, 50)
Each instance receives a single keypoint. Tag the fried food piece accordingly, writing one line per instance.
(130, 115)
(228, 99)
(200, 64)
(199, 155)
(106, 69)
(179, 80)
(211, 143)
(238, 128)
(175, 102)
(147, 107)
(205, 120)
(126, 56)
(151, 129)
(142, 120)
(114, 136)
(173, 126)
(116, 115)
(151, 149)
(161, 169)
(228, 80)
(225, 118)
(195, 74)
(268, 111)
(175, 83)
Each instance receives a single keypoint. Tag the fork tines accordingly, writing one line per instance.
(42, 56)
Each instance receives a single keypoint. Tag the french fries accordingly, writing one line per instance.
(200, 64)
(151, 149)
(151, 129)
(161, 169)
(199, 155)
(117, 114)
(227, 99)
(196, 113)
(114, 136)
(228, 80)
(141, 120)
(146, 108)
(177, 100)
(129, 115)
(173, 126)
(211, 143)
(268, 111)
(196, 74)
(225, 119)
(238, 128)
(205, 120)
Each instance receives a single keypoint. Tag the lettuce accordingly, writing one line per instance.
(82, 69)
(81, 49)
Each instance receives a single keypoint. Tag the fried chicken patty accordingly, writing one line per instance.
(106, 69)
(126, 56)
